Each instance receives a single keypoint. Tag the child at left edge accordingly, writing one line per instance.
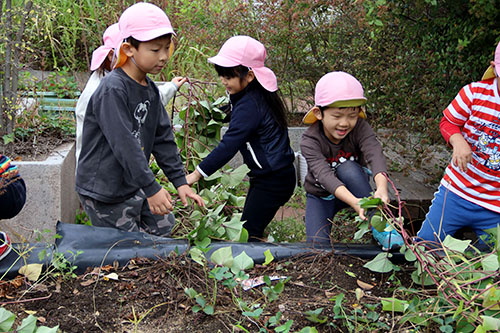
(12, 198)
(338, 147)
(125, 123)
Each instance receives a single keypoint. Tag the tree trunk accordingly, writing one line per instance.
(10, 72)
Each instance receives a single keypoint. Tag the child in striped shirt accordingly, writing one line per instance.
(469, 193)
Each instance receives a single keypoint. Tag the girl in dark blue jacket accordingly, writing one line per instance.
(258, 129)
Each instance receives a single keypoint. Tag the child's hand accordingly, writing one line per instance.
(360, 211)
(193, 177)
(179, 81)
(381, 192)
(462, 154)
(160, 203)
(186, 192)
(382, 195)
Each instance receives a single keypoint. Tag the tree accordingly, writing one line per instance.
(12, 23)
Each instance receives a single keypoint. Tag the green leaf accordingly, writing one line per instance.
(409, 255)
(28, 325)
(380, 263)
(491, 323)
(285, 327)
(243, 235)
(223, 256)
(254, 314)
(351, 274)
(456, 244)
(269, 257)
(237, 175)
(394, 305)
(370, 202)
(209, 310)
(198, 256)
(233, 229)
(241, 262)
(378, 222)
(490, 262)
(7, 319)
(44, 329)
(190, 292)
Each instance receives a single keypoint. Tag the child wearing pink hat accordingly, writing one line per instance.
(125, 122)
(100, 65)
(338, 147)
(469, 193)
(257, 129)
(102, 62)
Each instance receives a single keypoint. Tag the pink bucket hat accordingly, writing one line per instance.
(337, 89)
(490, 72)
(246, 51)
(144, 22)
(111, 38)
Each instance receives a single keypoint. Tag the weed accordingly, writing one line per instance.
(28, 325)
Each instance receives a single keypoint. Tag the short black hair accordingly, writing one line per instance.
(277, 107)
(135, 43)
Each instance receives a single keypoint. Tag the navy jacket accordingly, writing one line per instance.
(254, 132)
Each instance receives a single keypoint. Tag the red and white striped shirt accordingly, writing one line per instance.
(476, 110)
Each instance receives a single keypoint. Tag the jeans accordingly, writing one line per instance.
(450, 212)
(320, 211)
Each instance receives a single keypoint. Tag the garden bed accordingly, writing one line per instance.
(149, 296)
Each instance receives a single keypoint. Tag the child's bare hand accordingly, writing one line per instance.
(382, 195)
(179, 81)
(186, 192)
(160, 203)
(462, 154)
(193, 177)
(361, 212)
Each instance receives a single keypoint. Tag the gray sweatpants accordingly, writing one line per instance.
(130, 215)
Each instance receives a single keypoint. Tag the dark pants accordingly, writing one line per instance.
(320, 211)
(12, 197)
(265, 196)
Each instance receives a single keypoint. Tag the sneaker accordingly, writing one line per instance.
(5, 245)
(389, 240)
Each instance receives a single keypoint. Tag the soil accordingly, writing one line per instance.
(148, 296)
(37, 149)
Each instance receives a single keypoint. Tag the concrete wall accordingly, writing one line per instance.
(51, 196)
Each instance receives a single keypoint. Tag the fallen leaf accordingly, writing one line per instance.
(30, 312)
(76, 292)
(88, 282)
(111, 276)
(364, 285)
(17, 282)
(106, 268)
(329, 294)
(359, 293)
(31, 271)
